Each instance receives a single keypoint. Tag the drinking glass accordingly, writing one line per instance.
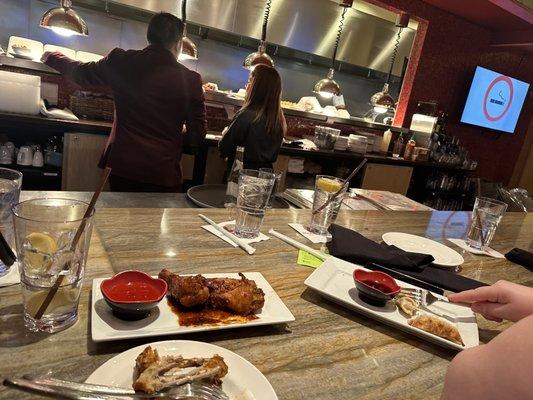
(486, 216)
(10, 183)
(277, 177)
(325, 187)
(255, 188)
(45, 231)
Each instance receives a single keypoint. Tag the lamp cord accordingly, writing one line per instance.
(339, 32)
(265, 20)
(394, 53)
(184, 11)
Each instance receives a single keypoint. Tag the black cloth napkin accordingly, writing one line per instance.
(521, 257)
(354, 247)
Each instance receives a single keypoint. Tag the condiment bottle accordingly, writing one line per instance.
(409, 148)
(385, 143)
(398, 146)
(233, 179)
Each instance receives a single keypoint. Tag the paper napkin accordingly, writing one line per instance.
(313, 237)
(12, 277)
(212, 230)
(488, 252)
(308, 260)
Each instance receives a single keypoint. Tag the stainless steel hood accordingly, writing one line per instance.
(308, 26)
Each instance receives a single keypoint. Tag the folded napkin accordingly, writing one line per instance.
(57, 112)
(12, 277)
(354, 247)
(522, 257)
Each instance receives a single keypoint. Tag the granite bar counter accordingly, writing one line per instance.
(328, 352)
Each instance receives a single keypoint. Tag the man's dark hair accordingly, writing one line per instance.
(164, 30)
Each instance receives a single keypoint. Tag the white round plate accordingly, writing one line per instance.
(243, 381)
(443, 255)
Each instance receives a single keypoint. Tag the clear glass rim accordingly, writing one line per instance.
(490, 200)
(18, 173)
(329, 177)
(254, 173)
(16, 214)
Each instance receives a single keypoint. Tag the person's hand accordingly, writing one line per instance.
(45, 56)
(501, 301)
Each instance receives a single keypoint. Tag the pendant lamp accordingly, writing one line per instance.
(188, 48)
(64, 21)
(260, 56)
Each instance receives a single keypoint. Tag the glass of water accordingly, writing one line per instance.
(10, 183)
(275, 189)
(44, 234)
(323, 216)
(255, 188)
(486, 216)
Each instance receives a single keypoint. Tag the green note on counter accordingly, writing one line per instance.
(309, 260)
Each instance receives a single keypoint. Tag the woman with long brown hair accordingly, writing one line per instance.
(260, 125)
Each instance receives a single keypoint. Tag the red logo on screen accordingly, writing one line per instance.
(498, 98)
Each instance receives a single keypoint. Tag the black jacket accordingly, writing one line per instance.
(260, 148)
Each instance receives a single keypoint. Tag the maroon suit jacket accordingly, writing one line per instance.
(154, 97)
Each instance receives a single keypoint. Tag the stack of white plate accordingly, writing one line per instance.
(357, 144)
(341, 144)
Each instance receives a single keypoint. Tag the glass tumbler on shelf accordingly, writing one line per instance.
(325, 188)
(45, 231)
(486, 216)
(10, 183)
(255, 188)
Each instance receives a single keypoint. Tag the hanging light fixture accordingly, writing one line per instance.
(327, 87)
(382, 101)
(188, 48)
(260, 56)
(64, 21)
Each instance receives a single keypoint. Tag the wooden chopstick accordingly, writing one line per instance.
(53, 290)
(346, 182)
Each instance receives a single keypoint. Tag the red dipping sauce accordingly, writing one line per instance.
(133, 287)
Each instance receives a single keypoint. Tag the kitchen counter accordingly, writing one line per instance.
(328, 352)
(223, 100)
(38, 123)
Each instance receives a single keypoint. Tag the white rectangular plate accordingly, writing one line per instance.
(334, 280)
(162, 321)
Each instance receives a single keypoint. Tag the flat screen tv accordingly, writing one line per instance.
(494, 101)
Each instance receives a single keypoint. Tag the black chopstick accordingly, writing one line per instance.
(406, 278)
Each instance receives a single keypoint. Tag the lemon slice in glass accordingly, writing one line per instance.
(43, 246)
(328, 185)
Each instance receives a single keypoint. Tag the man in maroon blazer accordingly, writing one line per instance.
(154, 97)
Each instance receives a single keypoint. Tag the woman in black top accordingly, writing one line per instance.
(260, 125)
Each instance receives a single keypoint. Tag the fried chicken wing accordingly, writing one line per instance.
(189, 291)
(241, 296)
(155, 373)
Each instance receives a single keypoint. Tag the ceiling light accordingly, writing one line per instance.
(327, 87)
(260, 56)
(64, 21)
(188, 48)
(383, 101)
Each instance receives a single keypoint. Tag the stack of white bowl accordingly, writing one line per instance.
(341, 144)
(357, 144)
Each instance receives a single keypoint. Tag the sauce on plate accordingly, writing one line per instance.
(206, 316)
